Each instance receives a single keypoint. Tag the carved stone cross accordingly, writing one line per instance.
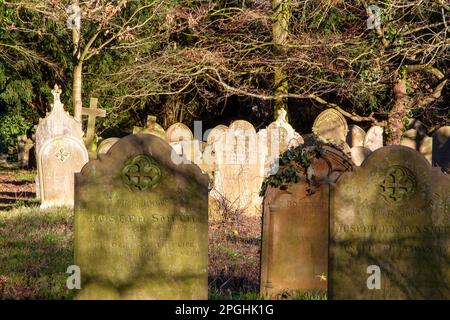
(92, 112)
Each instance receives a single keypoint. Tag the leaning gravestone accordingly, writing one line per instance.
(141, 224)
(374, 138)
(295, 226)
(359, 154)
(418, 141)
(59, 158)
(441, 148)
(390, 221)
(355, 136)
(331, 126)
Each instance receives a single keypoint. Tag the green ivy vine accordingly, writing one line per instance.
(293, 164)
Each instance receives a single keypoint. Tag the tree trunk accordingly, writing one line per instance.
(280, 30)
(76, 90)
(398, 113)
(77, 71)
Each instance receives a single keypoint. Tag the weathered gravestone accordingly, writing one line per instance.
(331, 126)
(180, 137)
(418, 141)
(238, 174)
(24, 145)
(279, 136)
(141, 224)
(374, 138)
(58, 122)
(59, 158)
(359, 154)
(441, 148)
(390, 221)
(105, 145)
(151, 128)
(295, 225)
(355, 136)
(92, 112)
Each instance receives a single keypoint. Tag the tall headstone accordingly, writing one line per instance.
(57, 122)
(331, 126)
(238, 167)
(295, 227)
(441, 148)
(390, 229)
(141, 224)
(280, 136)
(355, 136)
(374, 138)
(58, 159)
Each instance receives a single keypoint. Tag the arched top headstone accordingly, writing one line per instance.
(106, 144)
(59, 158)
(392, 210)
(141, 223)
(215, 133)
(331, 126)
(179, 132)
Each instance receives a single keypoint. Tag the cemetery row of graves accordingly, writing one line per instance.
(332, 214)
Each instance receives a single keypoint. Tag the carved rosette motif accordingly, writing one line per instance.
(141, 173)
(398, 185)
(62, 155)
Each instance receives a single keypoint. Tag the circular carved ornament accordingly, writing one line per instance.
(398, 185)
(141, 173)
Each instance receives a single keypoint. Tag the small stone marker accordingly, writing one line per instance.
(417, 141)
(141, 224)
(441, 148)
(331, 126)
(151, 128)
(355, 136)
(374, 138)
(59, 158)
(92, 112)
(295, 229)
(106, 144)
(390, 229)
(179, 132)
(24, 145)
(359, 154)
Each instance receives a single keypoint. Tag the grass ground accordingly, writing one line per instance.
(36, 247)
